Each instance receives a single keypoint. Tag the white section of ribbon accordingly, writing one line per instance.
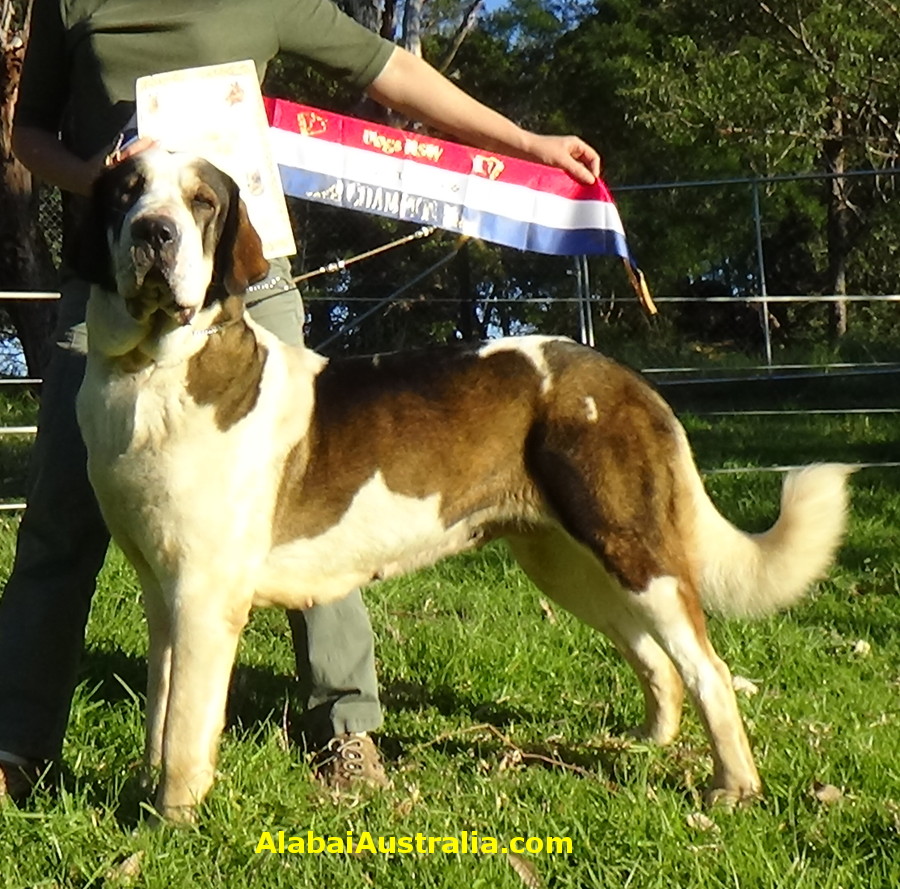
(474, 192)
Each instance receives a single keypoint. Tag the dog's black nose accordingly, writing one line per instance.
(156, 231)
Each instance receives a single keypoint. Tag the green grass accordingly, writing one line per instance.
(18, 407)
(505, 719)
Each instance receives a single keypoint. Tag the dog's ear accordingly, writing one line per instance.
(88, 252)
(239, 259)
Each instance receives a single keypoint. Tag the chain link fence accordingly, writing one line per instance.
(744, 322)
(734, 288)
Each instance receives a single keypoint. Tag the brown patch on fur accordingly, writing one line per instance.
(434, 421)
(239, 259)
(690, 599)
(481, 433)
(613, 482)
(227, 371)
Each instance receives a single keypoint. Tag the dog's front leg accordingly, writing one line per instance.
(205, 632)
(159, 655)
(159, 665)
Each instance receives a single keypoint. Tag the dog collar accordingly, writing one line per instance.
(209, 331)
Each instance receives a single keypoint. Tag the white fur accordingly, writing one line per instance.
(382, 534)
(531, 347)
(164, 193)
(753, 575)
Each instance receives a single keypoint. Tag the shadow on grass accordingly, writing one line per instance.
(255, 692)
(810, 392)
(611, 761)
(257, 700)
(257, 695)
(416, 696)
(785, 447)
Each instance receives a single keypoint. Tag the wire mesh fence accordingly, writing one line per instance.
(745, 322)
(732, 281)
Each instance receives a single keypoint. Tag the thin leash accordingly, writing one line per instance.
(339, 265)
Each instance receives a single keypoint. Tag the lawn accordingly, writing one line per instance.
(504, 716)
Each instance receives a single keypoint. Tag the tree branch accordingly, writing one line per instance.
(470, 19)
(799, 34)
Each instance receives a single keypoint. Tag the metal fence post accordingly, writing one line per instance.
(583, 288)
(763, 291)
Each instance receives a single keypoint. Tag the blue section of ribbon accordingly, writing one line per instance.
(492, 227)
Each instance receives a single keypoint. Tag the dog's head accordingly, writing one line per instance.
(169, 233)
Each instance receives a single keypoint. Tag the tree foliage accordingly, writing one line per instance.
(669, 91)
(787, 86)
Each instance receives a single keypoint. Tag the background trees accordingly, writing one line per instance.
(789, 85)
(669, 90)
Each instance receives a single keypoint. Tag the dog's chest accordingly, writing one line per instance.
(144, 434)
(124, 414)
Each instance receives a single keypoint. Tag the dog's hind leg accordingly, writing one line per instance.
(669, 610)
(663, 636)
(662, 686)
(571, 575)
(204, 645)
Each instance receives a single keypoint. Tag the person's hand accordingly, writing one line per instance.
(570, 153)
(118, 151)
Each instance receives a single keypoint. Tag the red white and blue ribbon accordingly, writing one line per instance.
(351, 163)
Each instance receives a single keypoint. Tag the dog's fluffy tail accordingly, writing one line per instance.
(752, 575)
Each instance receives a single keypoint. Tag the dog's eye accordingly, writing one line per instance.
(203, 203)
(129, 192)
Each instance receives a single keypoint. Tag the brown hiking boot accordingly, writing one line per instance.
(350, 762)
(17, 780)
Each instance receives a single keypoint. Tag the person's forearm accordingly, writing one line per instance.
(49, 160)
(411, 86)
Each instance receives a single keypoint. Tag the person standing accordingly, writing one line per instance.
(76, 95)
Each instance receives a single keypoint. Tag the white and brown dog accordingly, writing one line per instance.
(235, 471)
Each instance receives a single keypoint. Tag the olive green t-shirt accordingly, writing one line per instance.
(84, 56)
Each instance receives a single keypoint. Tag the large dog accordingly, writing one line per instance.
(235, 471)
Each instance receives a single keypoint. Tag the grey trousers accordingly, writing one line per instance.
(61, 545)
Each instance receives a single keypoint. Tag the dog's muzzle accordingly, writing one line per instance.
(155, 245)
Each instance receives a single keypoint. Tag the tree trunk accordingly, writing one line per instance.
(378, 18)
(470, 19)
(838, 223)
(25, 263)
(365, 12)
(411, 38)
(387, 19)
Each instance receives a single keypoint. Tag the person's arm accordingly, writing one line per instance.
(46, 157)
(410, 85)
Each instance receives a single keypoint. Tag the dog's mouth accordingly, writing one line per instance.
(152, 290)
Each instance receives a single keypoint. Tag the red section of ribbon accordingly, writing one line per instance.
(450, 156)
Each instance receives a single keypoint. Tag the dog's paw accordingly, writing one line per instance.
(726, 799)
(660, 735)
